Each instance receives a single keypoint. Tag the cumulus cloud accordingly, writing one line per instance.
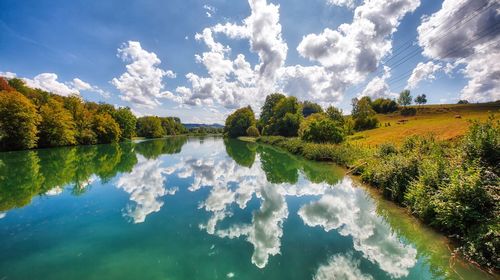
(378, 87)
(342, 3)
(423, 71)
(341, 267)
(354, 50)
(142, 83)
(470, 41)
(8, 75)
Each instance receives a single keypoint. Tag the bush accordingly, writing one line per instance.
(252, 131)
(408, 111)
(321, 129)
(365, 123)
(384, 105)
(482, 142)
(387, 149)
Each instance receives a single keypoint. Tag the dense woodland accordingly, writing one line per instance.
(450, 185)
(33, 118)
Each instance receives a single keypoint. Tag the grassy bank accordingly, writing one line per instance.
(450, 185)
(444, 122)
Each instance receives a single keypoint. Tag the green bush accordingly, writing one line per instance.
(252, 131)
(319, 128)
(365, 123)
(408, 111)
(482, 142)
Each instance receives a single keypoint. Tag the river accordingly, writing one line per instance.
(204, 208)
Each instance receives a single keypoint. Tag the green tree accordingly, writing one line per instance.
(309, 108)
(106, 128)
(363, 114)
(150, 127)
(421, 99)
(18, 122)
(57, 127)
(335, 114)
(384, 105)
(83, 119)
(238, 122)
(320, 128)
(286, 118)
(405, 98)
(252, 131)
(267, 110)
(127, 122)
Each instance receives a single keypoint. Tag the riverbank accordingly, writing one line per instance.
(449, 185)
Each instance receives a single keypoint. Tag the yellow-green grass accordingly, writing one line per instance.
(247, 138)
(444, 122)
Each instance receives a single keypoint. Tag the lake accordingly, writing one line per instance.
(204, 208)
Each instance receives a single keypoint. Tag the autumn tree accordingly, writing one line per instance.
(106, 128)
(18, 121)
(57, 127)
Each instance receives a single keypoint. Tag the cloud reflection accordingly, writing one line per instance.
(352, 213)
(341, 267)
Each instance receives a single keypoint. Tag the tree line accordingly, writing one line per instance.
(33, 118)
(287, 116)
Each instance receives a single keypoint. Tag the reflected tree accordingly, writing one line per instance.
(243, 153)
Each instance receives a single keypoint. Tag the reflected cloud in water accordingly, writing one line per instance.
(146, 185)
(352, 213)
(341, 267)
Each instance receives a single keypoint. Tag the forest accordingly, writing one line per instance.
(33, 118)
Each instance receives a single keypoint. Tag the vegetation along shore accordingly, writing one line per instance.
(442, 162)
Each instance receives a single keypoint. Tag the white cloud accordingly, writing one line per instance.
(142, 84)
(2, 215)
(342, 3)
(341, 267)
(209, 10)
(423, 71)
(49, 82)
(378, 87)
(84, 86)
(471, 42)
(8, 75)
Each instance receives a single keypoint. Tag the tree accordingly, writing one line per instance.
(106, 128)
(463, 101)
(267, 110)
(4, 85)
(421, 99)
(286, 118)
(384, 105)
(309, 108)
(252, 131)
(335, 114)
(18, 121)
(57, 127)
(150, 127)
(363, 114)
(127, 122)
(405, 98)
(238, 122)
(320, 128)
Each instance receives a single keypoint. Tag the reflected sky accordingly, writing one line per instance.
(219, 199)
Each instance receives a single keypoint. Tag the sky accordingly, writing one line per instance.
(200, 60)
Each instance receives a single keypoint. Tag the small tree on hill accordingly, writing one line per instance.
(421, 99)
(405, 98)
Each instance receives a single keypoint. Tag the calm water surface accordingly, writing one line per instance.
(210, 208)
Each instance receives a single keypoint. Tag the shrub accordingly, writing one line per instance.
(365, 123)
(252, 131)
(408, 111)
(482, 142)
(387, 149)
(321, 130)
(384, 105)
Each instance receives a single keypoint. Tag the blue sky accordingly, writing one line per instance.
(299, 43)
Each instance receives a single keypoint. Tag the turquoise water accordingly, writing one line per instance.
(198, 208)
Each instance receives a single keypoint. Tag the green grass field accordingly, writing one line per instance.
(444, 122)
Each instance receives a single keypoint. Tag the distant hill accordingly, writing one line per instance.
(196, 125)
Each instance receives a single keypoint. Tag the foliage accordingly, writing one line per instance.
(239, 121)
(4, 85)
(405, 98)
(106, 128)
(267, 110)
(363, 114)
(309, 108)
(18, 122)
(57, 127)
(384, 105)
(482, 142)
(462, 101)
(408, 111)
(421, 99)
(335, 115)
(150, 127)
(320, 128)
(252, 131)
(127, 122)
(286, 118)
(173, 126)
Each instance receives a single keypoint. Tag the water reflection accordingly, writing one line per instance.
(229, 178)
